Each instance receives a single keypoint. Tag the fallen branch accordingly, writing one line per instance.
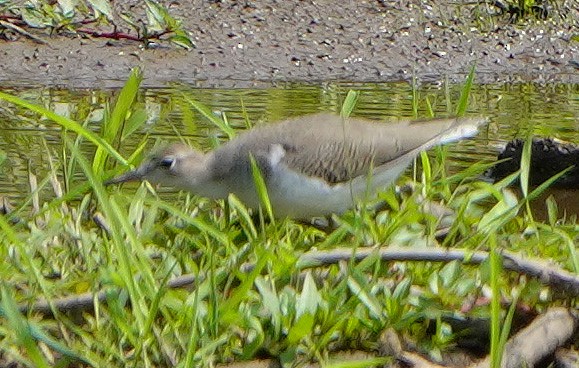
(547, 273)
(544, 272)
(85, 301)
(538, 340)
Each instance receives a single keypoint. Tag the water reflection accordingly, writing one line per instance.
(32, 144)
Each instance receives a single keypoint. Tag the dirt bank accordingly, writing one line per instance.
(239, 43)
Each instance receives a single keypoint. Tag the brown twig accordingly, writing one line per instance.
(13, 19)
(120, 35)
(112, 35)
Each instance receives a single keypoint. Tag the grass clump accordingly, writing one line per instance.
(185, 283)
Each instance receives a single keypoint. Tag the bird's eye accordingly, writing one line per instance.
(167, 162)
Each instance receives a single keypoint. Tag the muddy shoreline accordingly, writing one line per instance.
(244, 44)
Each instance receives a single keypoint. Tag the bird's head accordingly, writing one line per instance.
(176, 165)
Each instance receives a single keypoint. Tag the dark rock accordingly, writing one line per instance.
(548, 158)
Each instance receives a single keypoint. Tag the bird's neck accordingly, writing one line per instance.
(200, 179)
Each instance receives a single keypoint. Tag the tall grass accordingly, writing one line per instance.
(249, 295)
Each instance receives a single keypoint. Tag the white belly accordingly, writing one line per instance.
(297, 196)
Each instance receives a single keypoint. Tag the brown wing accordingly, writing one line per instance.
(334, 159)
(337, 150)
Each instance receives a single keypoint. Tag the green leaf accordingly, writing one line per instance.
(496, 270)
(450, 273)
(502, 212)
(552, 210)
(103, 7)
(309, 299)
(349, 103)
(156, 16)
(67, 7)
(370, 301)
(113, 125)
(131, 22)
(426, 168)
(433, 283)
(271, 302)
(301, 328)
(547, 183)
(402, 290)
(182, 41)
(134, 122)
(255, 340)
(288, 357)
(34, 18)
(55, 345)
(123, 105)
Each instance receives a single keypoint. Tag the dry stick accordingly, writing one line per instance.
(538, 340)
(20, 30)
(546, 273)
(85, 301)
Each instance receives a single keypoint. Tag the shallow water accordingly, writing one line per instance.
(31, 144)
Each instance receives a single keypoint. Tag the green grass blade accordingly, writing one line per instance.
(228, 308)
(196, 222)
(55, 345)
(20, 326)
(123, 105)
(547, 183)
(415, 97)
(65, 123)
(261, 188)
(507, 323)
(349, 103)
(124, 240)
(495, 277)
(114, 125)
(361, 363)
(526, 165)
(465, 93)
(209, 115)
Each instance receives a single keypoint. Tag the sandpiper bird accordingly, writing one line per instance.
(313, 166)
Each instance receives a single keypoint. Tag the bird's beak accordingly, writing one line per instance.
(132, 175)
